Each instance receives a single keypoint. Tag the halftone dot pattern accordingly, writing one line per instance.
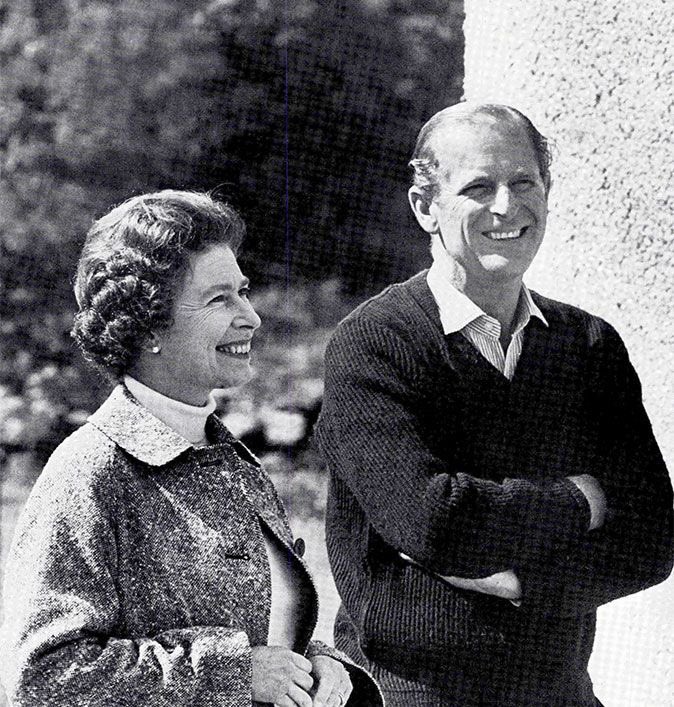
(303, 115)
(590, 76)
(467, 472)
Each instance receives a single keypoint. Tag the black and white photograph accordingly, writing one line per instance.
(336, 353)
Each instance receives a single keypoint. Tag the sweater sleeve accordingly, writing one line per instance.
(62, 643)
(371, 432)
(634, 549)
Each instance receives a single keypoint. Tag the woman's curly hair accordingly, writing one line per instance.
(133, 261)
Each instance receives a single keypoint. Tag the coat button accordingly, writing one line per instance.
(299, 547)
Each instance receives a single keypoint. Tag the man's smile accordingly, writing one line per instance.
(505, 235)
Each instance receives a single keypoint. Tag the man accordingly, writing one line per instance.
(493, 474)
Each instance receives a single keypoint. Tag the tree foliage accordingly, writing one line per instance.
(300, 112)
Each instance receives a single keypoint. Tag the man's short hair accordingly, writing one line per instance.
(424, 162)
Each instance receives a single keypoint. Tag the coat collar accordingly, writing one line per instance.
(138, 432)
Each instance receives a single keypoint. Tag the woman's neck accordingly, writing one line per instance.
(189, 421)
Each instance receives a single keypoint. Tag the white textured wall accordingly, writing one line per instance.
(598, 77)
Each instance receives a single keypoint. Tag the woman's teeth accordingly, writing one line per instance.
(235, 348)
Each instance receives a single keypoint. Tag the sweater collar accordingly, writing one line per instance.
(138, 432)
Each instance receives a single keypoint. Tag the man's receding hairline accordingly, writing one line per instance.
(468, 118)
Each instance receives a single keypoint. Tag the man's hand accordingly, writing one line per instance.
(595, 496)
(281, 677)
(332, 684)
(504, 585)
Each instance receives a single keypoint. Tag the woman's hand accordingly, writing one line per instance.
(332, 682)
(281, 677)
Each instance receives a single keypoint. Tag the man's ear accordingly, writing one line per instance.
(421, 205)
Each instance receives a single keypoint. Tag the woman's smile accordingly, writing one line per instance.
(237, 349)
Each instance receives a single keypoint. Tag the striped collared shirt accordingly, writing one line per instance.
(459, 313)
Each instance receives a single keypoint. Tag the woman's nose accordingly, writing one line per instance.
(249, 317)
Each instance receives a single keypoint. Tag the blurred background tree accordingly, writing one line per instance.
(301, 113)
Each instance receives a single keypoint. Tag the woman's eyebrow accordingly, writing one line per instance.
(226, 286)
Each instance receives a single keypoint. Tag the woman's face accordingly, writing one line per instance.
(208, 344)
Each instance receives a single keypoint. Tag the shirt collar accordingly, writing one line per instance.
(457, 310)
(137, 431)
(530, 307)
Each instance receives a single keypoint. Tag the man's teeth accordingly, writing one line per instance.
(504, 235)
(235, 348)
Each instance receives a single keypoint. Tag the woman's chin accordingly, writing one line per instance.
(235, 379)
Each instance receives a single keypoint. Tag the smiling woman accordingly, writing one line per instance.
(153, 563)
(208, 343)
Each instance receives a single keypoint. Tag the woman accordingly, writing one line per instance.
(153, 563)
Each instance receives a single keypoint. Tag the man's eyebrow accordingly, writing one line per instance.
(473, 178)
(470, 178)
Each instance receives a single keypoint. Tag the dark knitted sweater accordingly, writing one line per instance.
(435, 454)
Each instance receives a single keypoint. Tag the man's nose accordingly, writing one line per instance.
(504, 202)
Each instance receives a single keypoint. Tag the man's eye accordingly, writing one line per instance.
(475, 190)
(244, 292)
(523, 184)
(217, 298)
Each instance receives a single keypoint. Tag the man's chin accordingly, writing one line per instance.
(501, 268)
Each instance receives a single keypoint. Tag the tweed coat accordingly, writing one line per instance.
(138, 573)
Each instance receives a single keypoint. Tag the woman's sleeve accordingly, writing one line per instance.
(366, 692)
(62, 641)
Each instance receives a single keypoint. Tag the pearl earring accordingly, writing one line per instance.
(156, 349)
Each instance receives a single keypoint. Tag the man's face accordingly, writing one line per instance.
(491, 207)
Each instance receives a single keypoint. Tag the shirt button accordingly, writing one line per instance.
(299, 547)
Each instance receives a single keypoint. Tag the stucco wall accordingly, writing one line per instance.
(597, 77)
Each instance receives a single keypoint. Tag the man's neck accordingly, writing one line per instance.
(496, 297)
(500, 304)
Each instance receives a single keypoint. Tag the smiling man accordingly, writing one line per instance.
(493, 474)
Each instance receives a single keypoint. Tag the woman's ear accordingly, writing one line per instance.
(152, 344)
(421, 205)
